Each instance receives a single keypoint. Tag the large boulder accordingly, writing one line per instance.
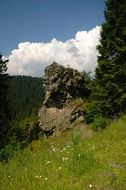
(65, 89)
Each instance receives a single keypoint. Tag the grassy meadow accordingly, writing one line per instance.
(79, 159)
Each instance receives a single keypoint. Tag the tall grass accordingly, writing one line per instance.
(71, 162)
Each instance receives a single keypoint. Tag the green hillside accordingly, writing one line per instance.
(25, 94)
(80, 159)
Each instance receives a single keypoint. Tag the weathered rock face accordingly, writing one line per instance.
(63, 104)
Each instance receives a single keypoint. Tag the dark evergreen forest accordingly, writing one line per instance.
(25, 95)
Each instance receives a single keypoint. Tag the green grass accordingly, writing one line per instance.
(77, 160)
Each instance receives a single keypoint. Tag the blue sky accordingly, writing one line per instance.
(43, 20)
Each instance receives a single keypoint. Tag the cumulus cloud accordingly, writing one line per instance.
(79, 53)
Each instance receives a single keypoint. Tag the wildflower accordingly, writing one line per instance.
(36, 176)
(60, 168)
(40, 176)
(9, 176)
(48, 162)
(25, 169)
(46, 178)
(63, 158)
(63, 150)
(93, 147)
(90, 185)
(54, 149)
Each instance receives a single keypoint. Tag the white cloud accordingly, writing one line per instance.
(79, 53)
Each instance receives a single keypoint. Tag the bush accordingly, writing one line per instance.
(8, 151)
(99, 123)
(93, 111)
(21, 133)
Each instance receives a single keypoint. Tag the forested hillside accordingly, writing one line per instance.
(25, 95)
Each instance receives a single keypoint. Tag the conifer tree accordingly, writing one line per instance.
(110, 78)
(4, 113)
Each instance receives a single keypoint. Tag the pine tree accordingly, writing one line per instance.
(110, 78)
(4, 113)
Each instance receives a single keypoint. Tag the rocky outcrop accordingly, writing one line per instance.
(63, 105)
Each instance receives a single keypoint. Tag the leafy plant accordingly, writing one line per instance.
(99, 123)
(93, 110)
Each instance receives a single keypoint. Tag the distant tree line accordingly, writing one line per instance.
(20, 97)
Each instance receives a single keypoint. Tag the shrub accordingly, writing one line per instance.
(93, 110)
(9, 150)
(99, 123)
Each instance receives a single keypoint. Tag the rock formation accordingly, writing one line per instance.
(65, 89)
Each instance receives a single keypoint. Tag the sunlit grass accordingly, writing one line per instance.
(72, 161)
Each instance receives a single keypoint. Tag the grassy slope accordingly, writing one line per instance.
(71, 162)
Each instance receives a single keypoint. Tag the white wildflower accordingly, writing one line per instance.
(47, 162)
(63, 158)
(93, 147)
(54, 149)
(46, 178)
(90, 185)
(63, 150)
